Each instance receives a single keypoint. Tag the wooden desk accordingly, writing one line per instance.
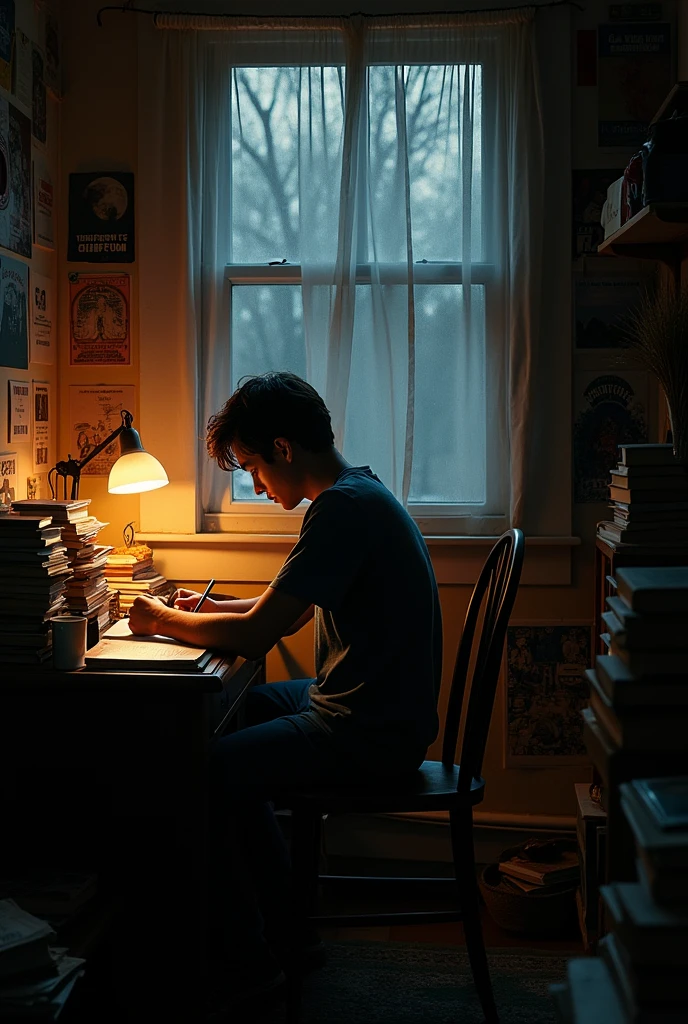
(106, 770)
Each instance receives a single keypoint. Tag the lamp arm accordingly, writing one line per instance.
(72, 467)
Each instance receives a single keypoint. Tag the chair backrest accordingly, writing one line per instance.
(480, 653)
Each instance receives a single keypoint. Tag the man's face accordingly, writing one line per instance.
(278, 479)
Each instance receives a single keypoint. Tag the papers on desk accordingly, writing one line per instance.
(119, 648)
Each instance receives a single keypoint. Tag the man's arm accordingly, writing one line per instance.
(250, 634)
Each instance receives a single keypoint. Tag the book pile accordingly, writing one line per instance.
(649, 493)
(556, 868)
(638, 692)
(55, 896)
(130, 571)
(36, 980)
(87, 590)
(33, 573)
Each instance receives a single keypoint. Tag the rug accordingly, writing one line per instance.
(418, 983)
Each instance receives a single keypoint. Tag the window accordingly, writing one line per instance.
(419, 208)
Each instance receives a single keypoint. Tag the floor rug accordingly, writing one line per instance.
(417, 983)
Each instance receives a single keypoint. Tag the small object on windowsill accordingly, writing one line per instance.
(277, 263)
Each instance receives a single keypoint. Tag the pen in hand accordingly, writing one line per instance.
(203, 596)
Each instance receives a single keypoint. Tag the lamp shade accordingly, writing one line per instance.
(136, 469)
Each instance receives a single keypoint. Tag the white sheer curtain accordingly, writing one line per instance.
(413, 211)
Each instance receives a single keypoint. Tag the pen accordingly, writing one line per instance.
(204, 595)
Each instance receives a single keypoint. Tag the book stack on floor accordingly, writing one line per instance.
(130, 571)
(649, 494)
(639, 976)
(34, 570)
(36, 980)
(57, 896)
(87, 591)
(554, 872)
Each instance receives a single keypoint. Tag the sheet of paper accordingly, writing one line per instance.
(121, 629)
(134, 648)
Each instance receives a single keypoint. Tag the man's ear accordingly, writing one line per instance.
(283, 449)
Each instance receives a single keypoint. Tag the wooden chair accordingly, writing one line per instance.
(437, 785)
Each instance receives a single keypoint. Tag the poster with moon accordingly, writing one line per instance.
(101, 217)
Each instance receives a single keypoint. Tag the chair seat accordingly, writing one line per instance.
(432, 787)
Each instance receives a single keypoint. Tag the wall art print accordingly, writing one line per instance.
(15, 179)
(546, 689)
(99, 320)
(101, 217)
(609, 409)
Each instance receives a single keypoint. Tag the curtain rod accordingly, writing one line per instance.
(127, 9)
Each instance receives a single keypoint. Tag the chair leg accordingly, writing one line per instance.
(293, 1003)
(461, 825)
(305, 854)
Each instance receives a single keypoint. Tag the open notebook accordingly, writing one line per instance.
(119, 648)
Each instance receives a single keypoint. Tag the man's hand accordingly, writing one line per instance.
(144, 615)
(188, 599)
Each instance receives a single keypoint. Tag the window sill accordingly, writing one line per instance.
(257, 557)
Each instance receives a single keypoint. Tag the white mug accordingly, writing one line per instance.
(69, 642)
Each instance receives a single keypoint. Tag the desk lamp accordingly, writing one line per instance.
(135, 470)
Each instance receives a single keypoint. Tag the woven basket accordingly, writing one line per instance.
(538, 913)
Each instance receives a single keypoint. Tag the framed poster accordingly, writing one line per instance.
(14, 338)
(8, 477)
(22, 71)
(99, 320)
(42, 426)
(546, 690)
(609, 409)
(101, 217)
(15, 182)
(633, 78)
(42, 319)
(94, 412)
(601, 302)
(589, 193)
(18, 411)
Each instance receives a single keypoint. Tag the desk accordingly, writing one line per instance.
(106, 769)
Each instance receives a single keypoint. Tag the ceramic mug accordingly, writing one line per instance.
(69, 642)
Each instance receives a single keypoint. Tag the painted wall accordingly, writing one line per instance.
(30, 21)
(99, 133)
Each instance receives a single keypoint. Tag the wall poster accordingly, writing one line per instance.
(633, 78)
(42, 426)
(14, 338)
(94, 412)
(8, 477)
(609, 409)
(99, 320)
(22, 71)
(15, 179)
(589, 192)
(43, 204)
(6, 40)
(546, 690)
(101, 217)
(42, 319)
(19, 411)
(38, 101)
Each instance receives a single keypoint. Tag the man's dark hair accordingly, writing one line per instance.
(276, 404)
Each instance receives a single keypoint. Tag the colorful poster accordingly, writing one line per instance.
(42, 319)
(546, 691)
(8, 477)
(42, 426)
(609, 410)
(99, 320)
(14, 339)
(602, 302)
(38, 102)
(22, 71)
(94, 412)
(43, 204)
(633, 79)
(33, 487)
(589, 194)
(101, 217)
(19, 404)
(15, 179)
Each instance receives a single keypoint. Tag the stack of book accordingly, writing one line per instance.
(649, 493)
(130, 571)
(36, 980)
(638, 692)
(555, 873)
(56, 896)
(34, 570)
(87, 591)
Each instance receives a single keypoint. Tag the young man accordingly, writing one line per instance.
(361, 566)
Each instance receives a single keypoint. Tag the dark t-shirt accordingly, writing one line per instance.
(361, 560)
